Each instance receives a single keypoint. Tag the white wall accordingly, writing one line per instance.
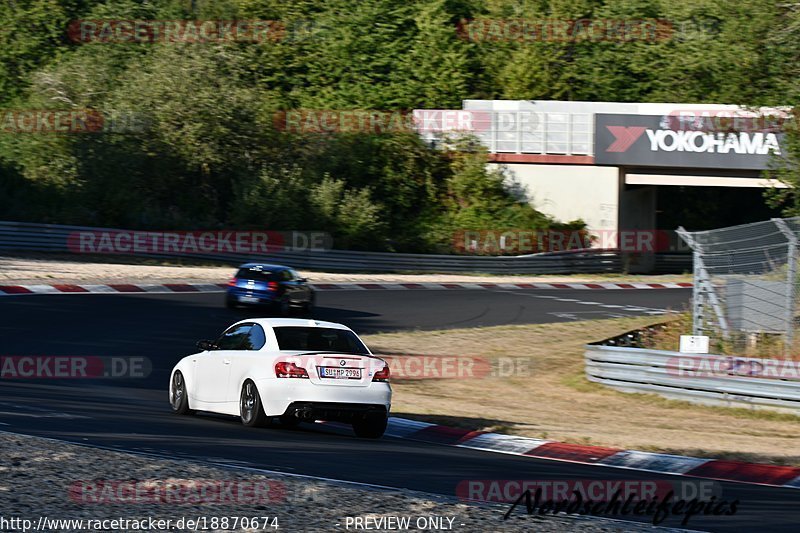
(564, 106)
(568, 192)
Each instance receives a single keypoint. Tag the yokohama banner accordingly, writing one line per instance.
(747, 143)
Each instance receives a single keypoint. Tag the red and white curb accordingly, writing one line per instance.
(737, 471)
(115, 288)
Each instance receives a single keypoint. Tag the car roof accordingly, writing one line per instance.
(294, 322)
(264, 266)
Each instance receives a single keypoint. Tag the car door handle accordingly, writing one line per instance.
(226, 361)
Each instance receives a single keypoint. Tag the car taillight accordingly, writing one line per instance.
(289, 370)
(232, 282)
(381, 375)
(272, 286)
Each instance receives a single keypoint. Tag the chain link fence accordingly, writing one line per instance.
(745, 290)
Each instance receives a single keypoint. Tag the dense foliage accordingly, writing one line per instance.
(194, 144)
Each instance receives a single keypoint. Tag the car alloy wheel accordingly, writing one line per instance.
(250, 409)
(177, 398)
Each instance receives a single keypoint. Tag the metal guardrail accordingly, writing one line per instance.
(31, 237)
(703, 379)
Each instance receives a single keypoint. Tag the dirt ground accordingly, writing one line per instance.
(555, 401)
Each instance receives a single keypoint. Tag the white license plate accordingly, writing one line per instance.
(339, 373)
(248, 299)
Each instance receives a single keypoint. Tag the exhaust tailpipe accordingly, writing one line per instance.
(304, 413)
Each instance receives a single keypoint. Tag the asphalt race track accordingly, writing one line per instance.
(199, 315)
(135, 415)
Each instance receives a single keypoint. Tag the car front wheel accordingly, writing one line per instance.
(250, 409)
(178, 398)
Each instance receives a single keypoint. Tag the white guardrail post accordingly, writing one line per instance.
(791, 276)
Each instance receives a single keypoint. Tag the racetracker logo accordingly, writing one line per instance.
(655, 498)
(177, 491)
(194, 242)
(565, 30)
(175, 31)
(383, 122)
(725, 121)
(508, 490)
(43, 121)
(718, 366)
(73, 367)
(455, 367)
(513, 241)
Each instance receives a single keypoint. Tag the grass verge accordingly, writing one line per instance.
(555, 401)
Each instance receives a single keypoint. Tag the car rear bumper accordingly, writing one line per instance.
(278, 395)
(332, 411)
(246, 296)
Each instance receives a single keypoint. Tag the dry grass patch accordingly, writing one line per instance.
(556, 401)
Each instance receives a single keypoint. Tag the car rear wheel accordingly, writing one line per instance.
(230, 303)
(371, 427)
(178, 397)
(251, 411)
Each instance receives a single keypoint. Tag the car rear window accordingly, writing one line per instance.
(318, 340)
(258, 275)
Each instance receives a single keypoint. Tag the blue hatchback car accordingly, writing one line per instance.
(276, 286)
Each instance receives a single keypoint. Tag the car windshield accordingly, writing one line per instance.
(258, 275)
(315, 339)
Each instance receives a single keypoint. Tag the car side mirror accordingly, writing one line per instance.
(206, 345)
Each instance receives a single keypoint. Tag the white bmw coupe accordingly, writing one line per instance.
(288, 368)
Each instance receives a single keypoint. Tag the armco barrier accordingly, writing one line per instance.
(706, 379)
(23, 236)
